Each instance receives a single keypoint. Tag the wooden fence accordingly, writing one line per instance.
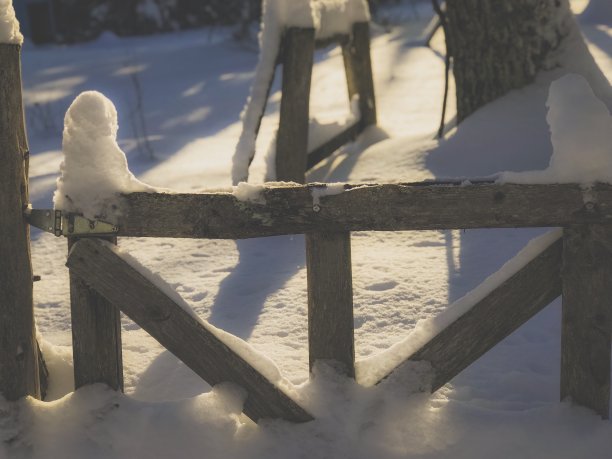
(579, 267)
(296, 56)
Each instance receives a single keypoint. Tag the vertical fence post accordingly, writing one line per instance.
(358, 66)
(292, 138)
(330, 299)
(19, 360)
(328, 255)
(587, 316)
(96, 335)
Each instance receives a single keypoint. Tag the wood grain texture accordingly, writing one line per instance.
(358, 66)
(19, 363)
(493, 318)
(393, 207)
(587, 317)
(324, 151)
(330, 299)
(292, 136)
(96, 335)
(178, 330)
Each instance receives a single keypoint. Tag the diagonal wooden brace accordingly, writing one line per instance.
(96, 263)
(494, 317)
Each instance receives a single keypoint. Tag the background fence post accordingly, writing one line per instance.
(292, 138)
(358, 66)
(587, 316)
(19, 359)
(96, 335)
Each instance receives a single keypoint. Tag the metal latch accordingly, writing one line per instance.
(68, 224)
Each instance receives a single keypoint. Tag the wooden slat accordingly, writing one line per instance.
(358, 66)
(19, 362)
(96, 335)
(292, 137)
(330, 299)
(587, 317)
(324, 151)
(289, 210)
(493, 318)
(178, 330)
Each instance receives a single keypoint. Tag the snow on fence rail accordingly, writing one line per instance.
(301, 209)
(578, 267)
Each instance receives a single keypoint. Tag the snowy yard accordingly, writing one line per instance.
(184, 92)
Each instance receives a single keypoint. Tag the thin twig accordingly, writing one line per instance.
(444, 24)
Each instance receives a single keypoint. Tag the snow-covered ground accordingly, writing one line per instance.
(186, 91)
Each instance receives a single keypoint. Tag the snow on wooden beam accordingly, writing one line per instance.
(493, 318)
(177, 329)
(392, 207)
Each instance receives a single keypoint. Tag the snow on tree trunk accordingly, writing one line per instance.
(598, 12)
(500, 45)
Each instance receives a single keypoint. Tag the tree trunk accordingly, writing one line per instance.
(500, 45)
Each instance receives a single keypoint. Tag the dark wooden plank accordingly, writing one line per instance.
(96, 335)
(393, 207)
(358, 66)
(178, 330)
(587, 317)
(292, 137)
(19, 363)
(493, 318)
(324, 151)
(330, 299)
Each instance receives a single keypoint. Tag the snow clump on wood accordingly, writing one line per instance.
(95, 170)
(9, 26)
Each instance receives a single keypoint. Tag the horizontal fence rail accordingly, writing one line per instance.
(396, 207)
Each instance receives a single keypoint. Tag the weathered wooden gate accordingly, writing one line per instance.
(579, 267)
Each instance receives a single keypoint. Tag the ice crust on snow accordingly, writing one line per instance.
(372, 369)
(581, 133)
(95, 170)
(9, 26)
(327, 17)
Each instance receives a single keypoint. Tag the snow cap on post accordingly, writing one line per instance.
(9, 25)
(95, 170)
